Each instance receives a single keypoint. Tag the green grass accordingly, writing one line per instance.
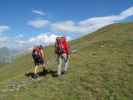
(101, 69)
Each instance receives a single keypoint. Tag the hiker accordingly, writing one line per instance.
(62, 51)
(39, 58)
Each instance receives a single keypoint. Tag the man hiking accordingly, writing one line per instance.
(62, 52)
(39, 58)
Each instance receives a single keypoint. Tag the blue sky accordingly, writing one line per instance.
(29, 22)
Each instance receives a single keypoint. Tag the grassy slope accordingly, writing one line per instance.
(101, 69)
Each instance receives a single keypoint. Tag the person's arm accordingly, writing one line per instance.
(44, 56)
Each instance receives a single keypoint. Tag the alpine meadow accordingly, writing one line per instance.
(101, 68)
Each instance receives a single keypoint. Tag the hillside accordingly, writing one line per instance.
(101, 68)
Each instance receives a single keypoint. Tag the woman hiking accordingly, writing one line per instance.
(40, 59)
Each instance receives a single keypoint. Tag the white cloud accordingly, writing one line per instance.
(39, 12)
(38, 23)
(91, 24)
(4, 28)
(82, 27)
(108, 19)
(43, 39)
(126, 13)
(65, 26)
(4, 39)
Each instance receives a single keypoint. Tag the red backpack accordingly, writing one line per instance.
(61, 45)
(36, 53)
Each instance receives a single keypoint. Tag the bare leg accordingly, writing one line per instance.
(66, 66)
(59, 65)
(66, 61)
(35, 70)
(44, 67)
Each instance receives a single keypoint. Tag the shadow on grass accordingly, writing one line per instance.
(42, 74)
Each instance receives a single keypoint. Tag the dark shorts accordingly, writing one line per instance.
(38, 62)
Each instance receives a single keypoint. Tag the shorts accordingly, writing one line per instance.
(38, 62)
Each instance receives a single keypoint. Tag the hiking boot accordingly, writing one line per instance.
(35, 76)
(64, 72)
(45, 71)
